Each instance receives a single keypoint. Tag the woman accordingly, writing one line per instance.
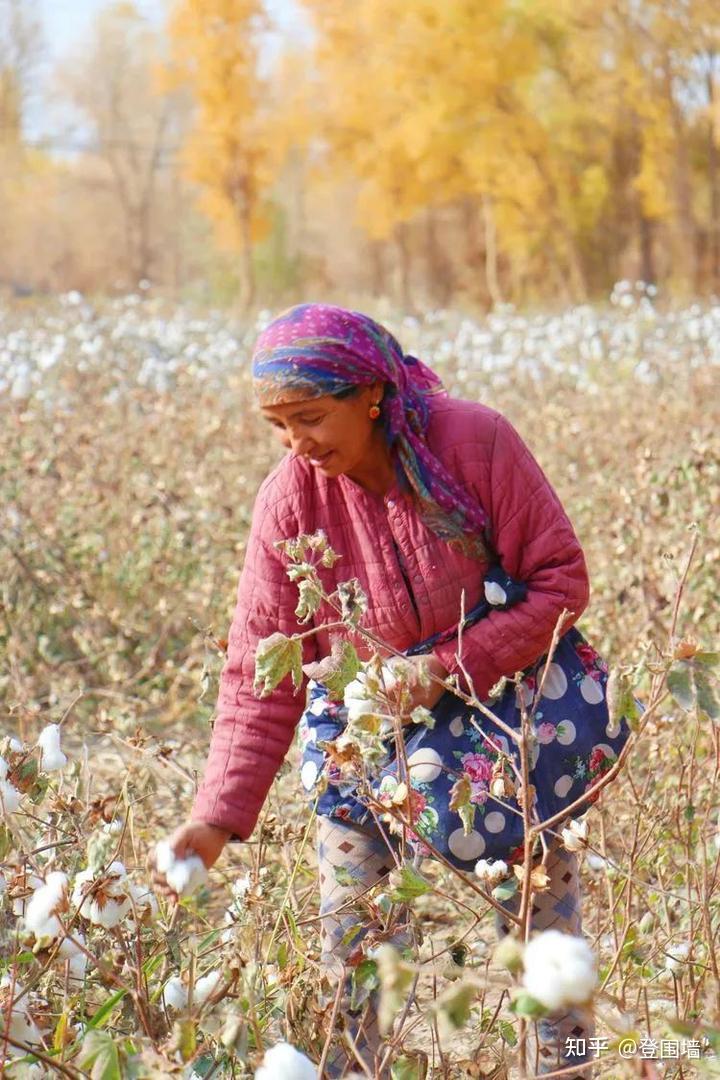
(413, 489)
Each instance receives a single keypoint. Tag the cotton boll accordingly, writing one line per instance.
(574, 837)
(206, 986)
(105, 902)
(676, 957)
(184, 876)
(491, 872)
(356, 699)
(70, 950)
(187, 875)
(144, 899)
(174, 993)
(284, 1062)
(240, 887)
(560, 970)
(3, 768)
(41, 912)
(110, 913)
(49, 743)
(9, 797)
(22, 1026)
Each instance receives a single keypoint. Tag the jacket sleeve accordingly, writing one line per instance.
(536, 543)
(251, 736)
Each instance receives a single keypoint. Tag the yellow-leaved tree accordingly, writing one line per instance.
(228, 153)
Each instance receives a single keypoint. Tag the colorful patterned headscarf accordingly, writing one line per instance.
(316, 349)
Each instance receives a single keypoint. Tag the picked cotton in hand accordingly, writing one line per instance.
(182, 875)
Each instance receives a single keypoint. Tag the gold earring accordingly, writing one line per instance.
(374, 412)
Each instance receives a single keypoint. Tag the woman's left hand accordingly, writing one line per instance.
(430, 695)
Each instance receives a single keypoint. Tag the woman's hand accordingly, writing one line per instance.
(428, 696)
(193, 838)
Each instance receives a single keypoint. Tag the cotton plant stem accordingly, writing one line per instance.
(331, 1027)
(51, 1062)
(292, 878)
(441, 858)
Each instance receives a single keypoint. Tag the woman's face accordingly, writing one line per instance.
(335, 435)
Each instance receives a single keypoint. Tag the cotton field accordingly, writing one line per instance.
(130, 455)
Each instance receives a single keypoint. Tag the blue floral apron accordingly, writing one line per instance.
(573, 744)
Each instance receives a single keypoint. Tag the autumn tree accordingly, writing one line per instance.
(134, 125)
(228, 153)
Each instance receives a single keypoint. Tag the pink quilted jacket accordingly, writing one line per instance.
(531, 533)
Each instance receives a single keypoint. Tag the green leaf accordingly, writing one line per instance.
(524, 1004)
(363, 981)
(707, 699)
(300, 571)
(707, 659)
(621, 702)
(5, 842)
(406, 884)
(39, 789)
(185, 1037)
(99, 1052)
(275, 657)
(395, 979)
(343, 876)
(507, 1032)
(505, 890)
(101, 1015)
(409, 1067)
(453, 1007)
(27, 773)
(308, 602)
(680, 685)
(337, 670)
(421, 715)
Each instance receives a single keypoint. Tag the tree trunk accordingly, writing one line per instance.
(491, 253)
(713, 175)
(378, 283)
(685, 238)
(247, 268)
(647, 250)
(440, 277)
(403, 250)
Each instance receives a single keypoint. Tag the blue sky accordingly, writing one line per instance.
(65, 23)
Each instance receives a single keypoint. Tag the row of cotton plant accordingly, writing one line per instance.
(134, 341)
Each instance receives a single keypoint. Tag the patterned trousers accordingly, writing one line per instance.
(364, 859)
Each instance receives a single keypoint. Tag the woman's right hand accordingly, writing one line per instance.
(193, 838)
